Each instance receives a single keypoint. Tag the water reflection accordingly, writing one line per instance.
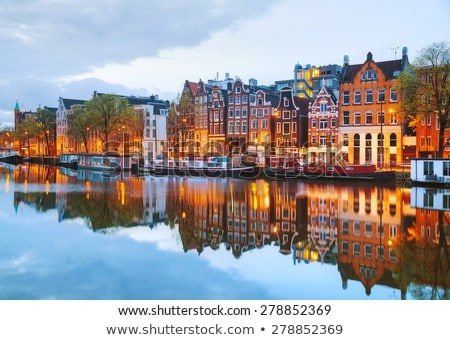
(375, 235)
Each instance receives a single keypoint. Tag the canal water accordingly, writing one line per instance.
(83, 235)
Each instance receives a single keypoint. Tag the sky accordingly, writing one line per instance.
(64, 48)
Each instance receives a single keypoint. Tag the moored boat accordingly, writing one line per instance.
(96, 162)
(430, 172)
(68, 161)
(99, 162)
(209, 167)
(10, 157)
(290, 167)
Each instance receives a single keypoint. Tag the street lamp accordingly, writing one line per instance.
(381, 98)
(87, 140)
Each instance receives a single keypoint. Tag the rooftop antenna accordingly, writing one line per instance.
(395, 49)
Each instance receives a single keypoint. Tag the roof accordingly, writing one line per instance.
(69, 102)
(391, 68)
(138, 100)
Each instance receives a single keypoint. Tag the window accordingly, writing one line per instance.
(231, 113)
(369, 96)
(446, 168)
(244, 127)
(231, 100)
(238, 127)
(244, 112)
(238, 112)
(244, 99)
(381, 95)
(286, 114)
(346, 118)
(238, 90)
(345, 227)
(323, 140)
(323, 107)
(358, 97)
(356, 230)
(230, 128)
(356, 248)
(345, 247)
(238, 99)
(393, 117)
(345, 138)
(380, 118)
(357, 118)
(446, 201)
(254, 124)
(285, 102)
(346, 98)
(357, 140)
(428, 168)
(368, 139)
(264, 124)
(394, 97)
(368, 250)
(286, 128)
(368, 231)
(323, 124)
(313, 123)
(428, 199)
(393, 139)
(369, 118)
(333, 122)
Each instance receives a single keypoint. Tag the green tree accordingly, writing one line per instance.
(26, 130)
(79, 125)
(108, 114)
(46, 125)
(425, 88)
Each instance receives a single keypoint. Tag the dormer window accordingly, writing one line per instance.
(369, 75)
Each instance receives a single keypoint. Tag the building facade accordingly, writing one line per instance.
(371, 123)
(323, 115)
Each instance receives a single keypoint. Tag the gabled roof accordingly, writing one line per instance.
(51, 109)
(69, 102)
(325, 91)
(391, 68)
(192, 86)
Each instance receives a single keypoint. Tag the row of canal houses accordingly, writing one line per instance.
(326, 114)
(349, 113)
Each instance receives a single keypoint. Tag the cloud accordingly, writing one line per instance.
(66, 37)
(143, 47)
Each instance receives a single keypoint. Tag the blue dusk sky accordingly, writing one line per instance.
(61, 48)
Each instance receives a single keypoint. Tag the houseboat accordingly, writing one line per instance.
(430, 172)
(201, 167)
(10, 157)
(96, 162)
(289, 167)
(68, 161)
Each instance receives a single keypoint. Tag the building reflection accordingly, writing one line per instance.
(374, 235)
